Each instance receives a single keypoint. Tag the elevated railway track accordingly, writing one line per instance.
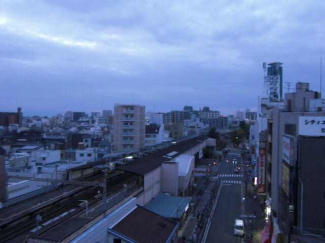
(18, 229)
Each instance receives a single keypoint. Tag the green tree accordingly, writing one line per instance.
(237, 136)
(221, 144)
(213, 134)
(243, 126)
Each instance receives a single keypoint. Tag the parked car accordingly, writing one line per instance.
(237, 170)
(239, 228)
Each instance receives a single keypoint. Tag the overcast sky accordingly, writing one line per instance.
(83, 55)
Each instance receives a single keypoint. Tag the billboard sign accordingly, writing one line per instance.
(312, 125)
(285, 179)
(286, 149)
(261, 172)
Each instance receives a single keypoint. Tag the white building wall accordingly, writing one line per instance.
(156, 118)
(152, 186)
(169, 174)
(20, 160)
(48, 156)
(184, 178)
(85, 155)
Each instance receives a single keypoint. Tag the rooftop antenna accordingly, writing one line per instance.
(321, 76)
(288, 84)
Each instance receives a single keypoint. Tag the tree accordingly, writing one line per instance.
(213, 134)
(237, 136)
(221, 144)
(245, 128)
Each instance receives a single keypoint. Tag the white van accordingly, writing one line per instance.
(239, 227)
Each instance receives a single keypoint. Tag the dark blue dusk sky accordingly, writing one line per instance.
(82, 55)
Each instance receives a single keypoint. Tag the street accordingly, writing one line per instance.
(229, 204)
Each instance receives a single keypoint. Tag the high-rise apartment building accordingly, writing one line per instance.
(129, 127)
(176, 117)
(106, 113)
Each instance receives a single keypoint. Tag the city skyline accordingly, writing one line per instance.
(60, 56)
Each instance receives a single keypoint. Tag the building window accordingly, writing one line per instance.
(81, 155)
(290, 129)
(44, 158)
(117, 240)
(89, 155)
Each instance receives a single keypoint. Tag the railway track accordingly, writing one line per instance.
(59, 213)
(70, 209)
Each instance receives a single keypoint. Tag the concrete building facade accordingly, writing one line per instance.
(129, 127)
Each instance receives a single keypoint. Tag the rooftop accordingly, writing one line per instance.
(144, 226)
(30, 147)
(169, 206)
(150, 162)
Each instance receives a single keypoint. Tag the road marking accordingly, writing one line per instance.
(231, 175)
(231, 181)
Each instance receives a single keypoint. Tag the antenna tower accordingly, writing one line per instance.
(272, 81)
(288, 84)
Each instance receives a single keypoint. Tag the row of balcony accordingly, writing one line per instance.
(128, 133)
(128, 126)
(128, 111)
(128, 119)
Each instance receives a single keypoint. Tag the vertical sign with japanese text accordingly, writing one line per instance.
(286, 149)
(261, 174)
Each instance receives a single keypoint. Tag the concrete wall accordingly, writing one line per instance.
(137, 128)
(152, 186)
(311, 189)
(184, 181)
(279, 120)
(169, 174)
(21, 160)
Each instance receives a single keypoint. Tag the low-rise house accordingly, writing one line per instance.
(47, 156)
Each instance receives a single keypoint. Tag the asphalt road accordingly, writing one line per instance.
(229, 204)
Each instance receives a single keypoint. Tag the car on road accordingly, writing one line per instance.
(237, 170)
(239, 228)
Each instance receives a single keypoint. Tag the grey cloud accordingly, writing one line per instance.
(164, 54)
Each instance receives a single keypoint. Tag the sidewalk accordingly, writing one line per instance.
(198, 214)
(254, 226)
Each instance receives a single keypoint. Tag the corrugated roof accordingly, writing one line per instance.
(169, 206)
